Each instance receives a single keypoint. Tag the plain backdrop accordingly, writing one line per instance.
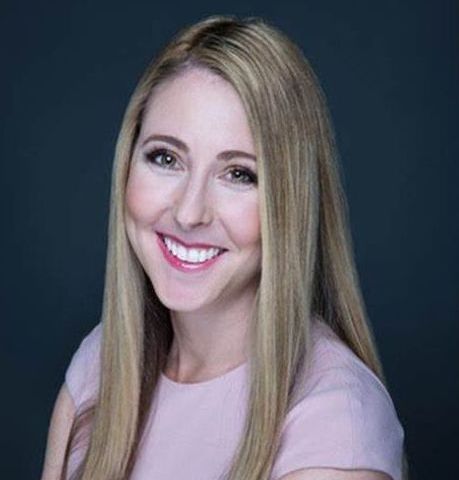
(390, 73)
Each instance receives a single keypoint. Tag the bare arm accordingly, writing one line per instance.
(335, 474)
(58, 434)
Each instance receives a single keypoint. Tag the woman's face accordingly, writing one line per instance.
(192, 189)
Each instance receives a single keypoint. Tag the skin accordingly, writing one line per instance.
(200, 199)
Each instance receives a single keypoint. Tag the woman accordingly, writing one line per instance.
(233, 342)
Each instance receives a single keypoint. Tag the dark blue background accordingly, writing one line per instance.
(390, 71)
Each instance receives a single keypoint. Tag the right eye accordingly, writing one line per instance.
(166, 159)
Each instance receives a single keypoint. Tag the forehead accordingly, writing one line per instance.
(198, 104)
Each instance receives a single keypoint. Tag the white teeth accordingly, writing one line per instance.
(193, 255)
(179, 251)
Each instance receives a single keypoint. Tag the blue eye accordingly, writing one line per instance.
(151, 156)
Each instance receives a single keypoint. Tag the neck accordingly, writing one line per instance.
(208, 344)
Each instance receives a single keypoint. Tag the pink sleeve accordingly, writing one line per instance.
(82, 374)
(347, 420)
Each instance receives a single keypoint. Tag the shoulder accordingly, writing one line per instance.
(81, 376)
(58, 433)
(343, 417)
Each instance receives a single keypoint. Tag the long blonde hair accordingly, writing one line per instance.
(307, 255)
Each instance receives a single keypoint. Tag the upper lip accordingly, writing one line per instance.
(190, 245)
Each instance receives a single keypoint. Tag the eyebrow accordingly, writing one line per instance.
(226, 155)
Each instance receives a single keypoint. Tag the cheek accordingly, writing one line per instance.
(133, 199)
(243, 220)
(140, 198)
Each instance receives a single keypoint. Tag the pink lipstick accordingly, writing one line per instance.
(183, 265)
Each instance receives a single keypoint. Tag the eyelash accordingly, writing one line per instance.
(251, 176)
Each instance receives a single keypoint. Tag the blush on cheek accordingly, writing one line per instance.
(131, 198)
(253, 224)
(246, 225)
(136, 196)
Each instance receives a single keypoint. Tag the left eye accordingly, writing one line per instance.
(248, 176)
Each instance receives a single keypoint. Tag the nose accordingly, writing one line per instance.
(192, 207)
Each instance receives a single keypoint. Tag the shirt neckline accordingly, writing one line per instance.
(212, 382)
(205, 383)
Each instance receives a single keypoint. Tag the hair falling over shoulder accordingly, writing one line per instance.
(308, 266)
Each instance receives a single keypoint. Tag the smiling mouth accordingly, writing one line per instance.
(190, 256)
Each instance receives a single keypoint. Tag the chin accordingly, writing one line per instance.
(181, 301)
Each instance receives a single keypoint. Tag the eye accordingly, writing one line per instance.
(248, 177)
(241, 175)
(168, 158)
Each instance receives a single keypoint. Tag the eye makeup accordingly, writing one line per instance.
(240, 171)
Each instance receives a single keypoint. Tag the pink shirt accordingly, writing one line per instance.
(343, 418)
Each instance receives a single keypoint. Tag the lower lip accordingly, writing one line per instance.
(182, 265)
